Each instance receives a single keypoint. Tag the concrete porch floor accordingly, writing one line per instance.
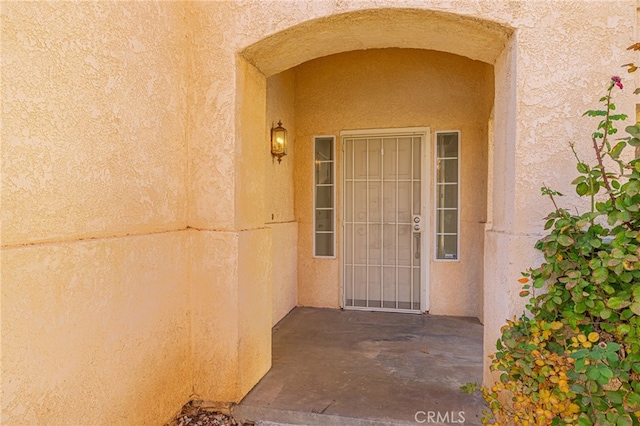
(333, 367)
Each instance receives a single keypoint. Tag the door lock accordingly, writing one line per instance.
(417, 223)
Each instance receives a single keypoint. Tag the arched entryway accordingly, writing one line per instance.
(263, 66)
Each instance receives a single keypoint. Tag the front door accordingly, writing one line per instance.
(384, 220)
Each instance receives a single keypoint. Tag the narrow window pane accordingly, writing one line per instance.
(447, 192)
(324, 197)
(324, 244)
(448, 196)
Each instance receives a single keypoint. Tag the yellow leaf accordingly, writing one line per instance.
(523, 280)
(593, 337)
(556, 325)
(582, 338)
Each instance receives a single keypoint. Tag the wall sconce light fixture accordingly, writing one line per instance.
(278, 141)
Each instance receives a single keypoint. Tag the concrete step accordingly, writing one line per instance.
(278, 417)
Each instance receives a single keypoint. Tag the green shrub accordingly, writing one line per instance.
(574, 358)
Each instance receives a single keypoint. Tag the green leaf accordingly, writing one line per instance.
(582, 167)
(615, 303)
(581, 353)
(626, 314)
(624, 420)
(635, 307)
(583, 420)
(600, 275)
(633, 187)
(623, 329)
(615, 152)
(565, 240)
(605, 371)
(633, 130)
(614, 397)
(582, 189)
(632, 401)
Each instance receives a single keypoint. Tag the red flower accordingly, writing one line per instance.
(617, 81)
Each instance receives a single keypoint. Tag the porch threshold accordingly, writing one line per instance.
(356, 368)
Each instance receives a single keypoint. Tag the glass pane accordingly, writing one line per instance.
(348, 244)
(417, 157)
(389, 287)
(348, 284)
(324, 196)
(360, 198)
(375, 160)
(404, 158)
(404, 202)
(447, 170)
(416, 198)
(360, 294)
(448, 196)
(404, 282)
(374, 287)
(324, 244)
(360, 244)
(375, 244)
(447, 145)
(416, 288)
(390, 158)
(324, 149)
(348, 201)
(348, 159)
(405, 251)
(360, 158)
(389, 203)
(374, 194)
(324, 220)
(447, 247)
(389, 241)
(324, 173)
(447, 221)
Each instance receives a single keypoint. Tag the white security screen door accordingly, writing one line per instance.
(385, 226)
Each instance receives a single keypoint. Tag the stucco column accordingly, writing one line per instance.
(230, 267)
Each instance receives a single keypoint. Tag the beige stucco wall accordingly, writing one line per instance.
(396, 88)
(279, 196)
(95, 319)
(95, 332)
(133, 162)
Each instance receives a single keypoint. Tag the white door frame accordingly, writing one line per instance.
(427, 233)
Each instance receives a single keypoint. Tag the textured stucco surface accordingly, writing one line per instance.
(93, 120)
(230, 273)
(95, 316)
(279, 181)
(284, 269)
(396, 88)
(279, 196)
(96, 332)
(127, 118)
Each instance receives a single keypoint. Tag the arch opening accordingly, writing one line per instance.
(461, 36)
